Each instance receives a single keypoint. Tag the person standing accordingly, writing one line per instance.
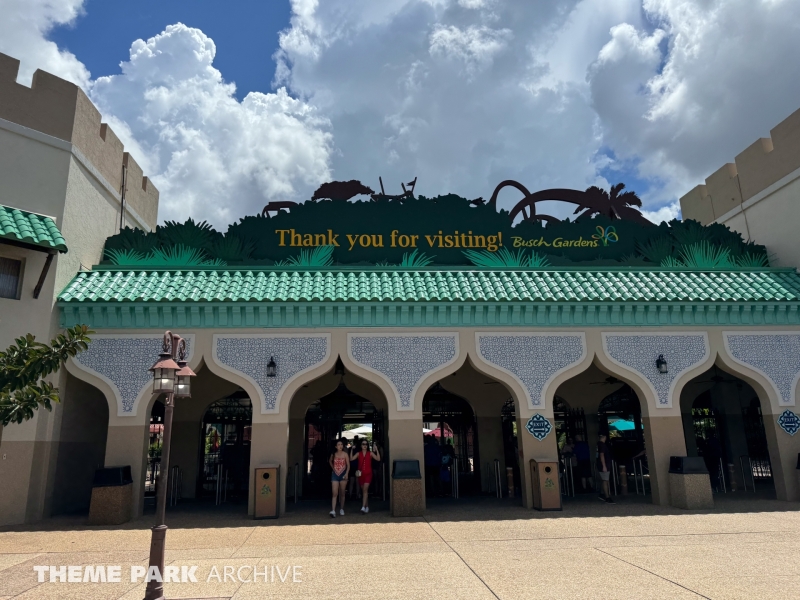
(351, 486)
(583, 456)
(339, 462)
(363, 461)
(604, 468)
(433, 464)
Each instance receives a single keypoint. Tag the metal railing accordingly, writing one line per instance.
(383, 480)
(296, 479)
(497, 479)
(638, 474)
(568, 489)
(749, 470)
(454, 478)
(221, 488)
(175, 485)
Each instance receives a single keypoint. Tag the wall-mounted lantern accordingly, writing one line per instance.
(272, 368)
(661, 364)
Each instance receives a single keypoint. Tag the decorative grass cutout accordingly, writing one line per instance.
(751, 260)
(416, 260)
(504, 258)
(321, 256)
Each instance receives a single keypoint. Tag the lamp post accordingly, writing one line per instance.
(173, 379)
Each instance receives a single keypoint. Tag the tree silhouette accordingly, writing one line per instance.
(614, 205)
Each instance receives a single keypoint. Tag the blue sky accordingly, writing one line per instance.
(245, 32)
(463, 94)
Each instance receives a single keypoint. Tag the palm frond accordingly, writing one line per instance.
(231, 247)
(181, 256)
(505, 258)
(704, 255)
(190, 234)
(656, 249)
(415, 260)
(689, 232)
(537, 260)
(671, 261)
(125, 257)
(752, 260)
(321, 256)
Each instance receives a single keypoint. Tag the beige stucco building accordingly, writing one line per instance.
(58, 160)
(758, 195)
(506, 361)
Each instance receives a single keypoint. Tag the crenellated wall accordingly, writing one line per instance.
(758, 195)
(60, 109)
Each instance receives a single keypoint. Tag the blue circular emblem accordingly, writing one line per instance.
(789, 422)
(538, 426)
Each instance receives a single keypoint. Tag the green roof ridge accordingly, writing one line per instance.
(30, 228)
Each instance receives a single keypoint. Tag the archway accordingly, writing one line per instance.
(451, 444)
(723, 423)
(188, 478)
(82, 445)
(225, 467)
(472, 417)
(337, 404)
(592, 403)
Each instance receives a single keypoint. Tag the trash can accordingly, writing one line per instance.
(407, 494)
(689, 483)
(546, 491)
(112, 496)
(267, 489)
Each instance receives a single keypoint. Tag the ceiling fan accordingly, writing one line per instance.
(610, 380)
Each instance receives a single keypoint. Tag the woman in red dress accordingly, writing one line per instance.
(364, 472)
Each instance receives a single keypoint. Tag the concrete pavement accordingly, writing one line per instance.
(479, 548)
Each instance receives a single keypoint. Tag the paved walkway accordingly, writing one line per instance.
(479, 549)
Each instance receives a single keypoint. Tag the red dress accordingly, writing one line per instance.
(365, 466)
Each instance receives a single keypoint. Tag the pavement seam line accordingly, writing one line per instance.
(654, 574)
(461, 558)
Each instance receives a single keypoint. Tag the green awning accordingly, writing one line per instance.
(30, 229)
(552, 285)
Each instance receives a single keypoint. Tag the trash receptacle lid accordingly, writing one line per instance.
(406, 469)
(111, 476)
(688, 465)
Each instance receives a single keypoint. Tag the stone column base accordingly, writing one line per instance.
(407, 498)
(690, 491)
(111, 505)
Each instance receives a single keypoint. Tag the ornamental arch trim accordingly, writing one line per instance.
(122, 362)
(247, 355)
(637, 353)
(403, 360)
(532, 360)
(775, 355)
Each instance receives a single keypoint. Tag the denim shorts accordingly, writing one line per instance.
(335, 477)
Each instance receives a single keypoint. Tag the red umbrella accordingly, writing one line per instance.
(448, 433)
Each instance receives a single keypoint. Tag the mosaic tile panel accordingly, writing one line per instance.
(249, 356)
(532, 359)
(639, 353)
(124, 363)
(404, 360)
(775, 356)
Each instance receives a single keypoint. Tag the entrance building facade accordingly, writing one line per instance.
(535, 343)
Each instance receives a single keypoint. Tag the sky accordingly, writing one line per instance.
(228, 106)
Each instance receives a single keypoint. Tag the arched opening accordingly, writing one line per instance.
(337, 405)
(341, 414)
(589, 405)
(225, 468)
(209, 458)
(723, 424)
(470, 428)
(81, 446)
(451, 444)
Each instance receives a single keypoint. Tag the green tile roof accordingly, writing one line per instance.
(37, 230)
(586, 285)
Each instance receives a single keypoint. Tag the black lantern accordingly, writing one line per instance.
(661, 364)
(272, 368)
(183, 380)
(164, 374)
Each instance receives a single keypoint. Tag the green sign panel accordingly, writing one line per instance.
(447, 230)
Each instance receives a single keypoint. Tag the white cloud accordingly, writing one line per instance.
(665, 213)
(211, 156)
(24, 25)
(686, 98)
(461, 93)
